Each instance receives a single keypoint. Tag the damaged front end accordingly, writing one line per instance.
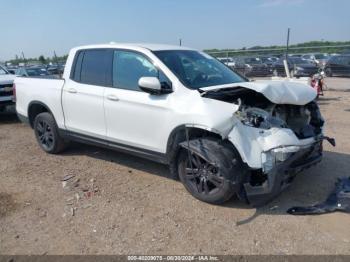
(276, 141)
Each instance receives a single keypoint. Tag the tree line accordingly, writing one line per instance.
(306, 47)
(41, 59)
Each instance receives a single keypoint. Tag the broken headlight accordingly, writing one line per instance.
(259, 118)
(270, 158)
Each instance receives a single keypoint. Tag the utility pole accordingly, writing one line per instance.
(24, 59)
(287, 48)
(55, 56)
(285, 62)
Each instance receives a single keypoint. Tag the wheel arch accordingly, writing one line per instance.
(35, 108)
(178, 135)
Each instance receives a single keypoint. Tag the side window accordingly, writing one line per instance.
(341, 60)
(77, 66)
(129, 67)
(93, 67)
(336, 60)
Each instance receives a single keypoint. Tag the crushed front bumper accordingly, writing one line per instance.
(282, 174)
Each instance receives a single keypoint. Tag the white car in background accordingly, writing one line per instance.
(230, 62)
(6, 88)
(221, 134)
(318, 59)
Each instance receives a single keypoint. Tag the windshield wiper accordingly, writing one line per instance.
(210, 91)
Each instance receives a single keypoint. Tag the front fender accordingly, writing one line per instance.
(251, 142)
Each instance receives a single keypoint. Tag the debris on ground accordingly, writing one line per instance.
(67, 177)
(338, 200)
(78, 191)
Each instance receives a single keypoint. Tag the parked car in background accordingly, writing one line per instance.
(221, 134)
(297, 66)
(55, 69)
(230, 62)
(295, 55)
(6, 88)
(319, 59)
(251, 66)
(338, 65)
(12, 69)
(268, 60)
(36, 72)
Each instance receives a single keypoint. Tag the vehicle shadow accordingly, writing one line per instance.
(323, 99)
(309, 187)
(327, 100)
(119, 158)
(8, 117)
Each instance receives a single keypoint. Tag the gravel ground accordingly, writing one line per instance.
(119, 204)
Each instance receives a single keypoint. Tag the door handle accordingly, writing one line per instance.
(112, 98)
(72, 90)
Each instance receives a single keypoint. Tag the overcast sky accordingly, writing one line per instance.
(40, 26)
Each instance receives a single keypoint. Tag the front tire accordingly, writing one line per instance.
(214, 173)
(328, 72)
(46, 133)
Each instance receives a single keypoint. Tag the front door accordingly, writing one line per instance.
(134, 117)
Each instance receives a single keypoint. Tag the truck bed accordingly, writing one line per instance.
(47, 91)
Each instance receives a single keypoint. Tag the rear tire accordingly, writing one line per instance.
(217, 170)
(46, 133)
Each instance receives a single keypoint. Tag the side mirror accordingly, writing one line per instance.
(150, 85)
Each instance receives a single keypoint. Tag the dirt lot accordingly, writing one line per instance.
(126, 205)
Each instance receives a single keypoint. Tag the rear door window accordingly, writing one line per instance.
(94, 67)
(77, 69)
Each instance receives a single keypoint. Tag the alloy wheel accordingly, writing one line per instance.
(202, 176)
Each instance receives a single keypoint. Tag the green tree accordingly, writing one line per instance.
(42, 59)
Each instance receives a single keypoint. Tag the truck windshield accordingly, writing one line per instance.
(197, 69)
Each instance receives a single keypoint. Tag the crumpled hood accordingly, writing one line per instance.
(278, 92)
(7, 79)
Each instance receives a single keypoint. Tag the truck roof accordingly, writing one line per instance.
(149, 46)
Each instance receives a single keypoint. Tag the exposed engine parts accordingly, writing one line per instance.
(257, 111)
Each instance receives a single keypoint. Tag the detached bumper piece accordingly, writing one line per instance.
(338, 200)
(282, 174)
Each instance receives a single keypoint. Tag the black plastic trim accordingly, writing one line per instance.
(140, 152)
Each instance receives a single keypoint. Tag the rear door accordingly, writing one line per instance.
(82, 97)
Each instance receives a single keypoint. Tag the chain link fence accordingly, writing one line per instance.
(302, 61)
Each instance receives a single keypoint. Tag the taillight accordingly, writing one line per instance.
(14, 92)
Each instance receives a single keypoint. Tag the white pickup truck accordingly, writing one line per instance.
(6, 88)
(221, 134)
